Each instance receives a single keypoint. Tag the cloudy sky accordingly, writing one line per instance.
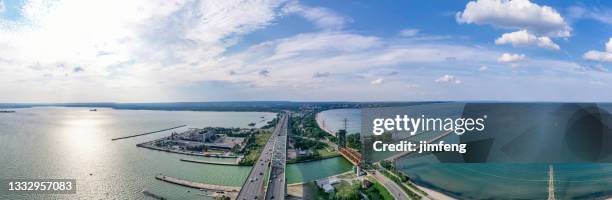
(164, 50)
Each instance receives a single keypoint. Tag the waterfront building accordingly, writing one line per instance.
(326, 184)
(207, 135)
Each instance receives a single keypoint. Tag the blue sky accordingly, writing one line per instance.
(152, 51)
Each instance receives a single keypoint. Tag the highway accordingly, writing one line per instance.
(276, 186)
(253, 187)
(393, 188)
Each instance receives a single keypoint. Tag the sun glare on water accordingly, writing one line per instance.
(83, 133)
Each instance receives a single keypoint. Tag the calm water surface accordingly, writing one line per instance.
(334, 119)
(495, 181)
(53, 142)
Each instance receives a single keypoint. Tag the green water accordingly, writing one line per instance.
(76, 143)
(310, 171)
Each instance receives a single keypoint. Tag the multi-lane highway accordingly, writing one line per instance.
(253, 187)
(276, 185)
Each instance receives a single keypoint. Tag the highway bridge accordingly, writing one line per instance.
(277, 185)
(272, 160)
(351, 155)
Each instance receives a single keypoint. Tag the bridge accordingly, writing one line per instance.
(277, 186)
(351, 155)
(271, 161)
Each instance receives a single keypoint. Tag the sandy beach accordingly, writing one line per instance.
(320, 124)
(432, 194)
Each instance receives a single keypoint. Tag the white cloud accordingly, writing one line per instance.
(409, 32)
(322, 17)
(447, 78)
(516, 14)
(524, 38)
(144, 45)
(603, 15)
(600, 56)
(317, 52)
(609, 45)
(152, 50)
(2, 6)
(509, 58)
(483, 68)
(598, 67)
(377, 81)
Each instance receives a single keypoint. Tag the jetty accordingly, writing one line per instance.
(196, 185)
(551, 183)
(131, 136)
(210, 162)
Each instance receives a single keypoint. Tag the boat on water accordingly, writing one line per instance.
(7, 111)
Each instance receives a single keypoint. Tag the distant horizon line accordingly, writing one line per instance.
(302, 101)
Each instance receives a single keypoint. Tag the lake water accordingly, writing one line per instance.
(518, 181)
(333, 120)
(495, 181)
(54, 142)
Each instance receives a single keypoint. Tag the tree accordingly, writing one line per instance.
(222, 198)
(386, 164)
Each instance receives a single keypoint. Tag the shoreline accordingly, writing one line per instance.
(196, 185)
(231, 191)
(314, 160)
(145, 109)
(147, 145)
(209, 162)
(430, 192)
(434, 194)
(320, 121)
